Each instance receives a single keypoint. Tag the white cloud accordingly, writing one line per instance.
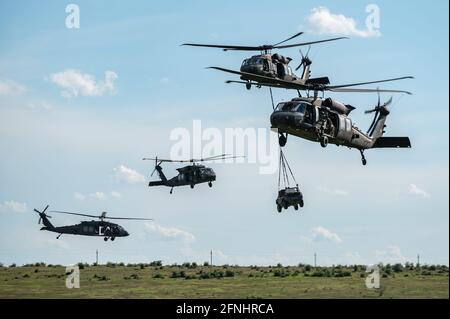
(58, 243)
(13, 206)
(392, 255)
(79, 196)
(98, 195)
(129, 175)
(39, 105)
(322, 21)
(169, 232)
(9, 87)
(116, 194)
(321, 233)
(338, 192)
(74, 83)
(415, 190)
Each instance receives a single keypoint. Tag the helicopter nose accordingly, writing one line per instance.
(281, 119)
(125, 233)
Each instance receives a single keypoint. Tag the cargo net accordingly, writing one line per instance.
(285, 173)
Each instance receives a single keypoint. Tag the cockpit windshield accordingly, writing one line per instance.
(252, 61)
(291, 107)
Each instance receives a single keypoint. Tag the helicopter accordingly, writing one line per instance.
(327, 120)
(99, 228)
(188, 175)
(264, 67)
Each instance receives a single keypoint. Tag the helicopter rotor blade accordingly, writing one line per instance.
(307, 43)
(102, 216)
(370, 82)
(351, 90)
(77, 214)
(128, 218)
(288, 39)
(225, 47)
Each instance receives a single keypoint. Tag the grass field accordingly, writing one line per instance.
(192, 281)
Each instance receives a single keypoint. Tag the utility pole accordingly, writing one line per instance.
(418, 260)
(211, 258)
(315, 260)
(96, 257)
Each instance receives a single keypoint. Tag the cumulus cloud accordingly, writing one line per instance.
(322, 21)
(96, 196)
(116, 194)
(9, 87)
(128, 175)
(169, 232)
(392, 255)
(415, 190)
(13, 206)
(321, 233)
(338, 192)
(75, 83)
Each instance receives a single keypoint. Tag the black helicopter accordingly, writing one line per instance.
(264, 67)
(99, 228)
(326, 120)
(188, 175)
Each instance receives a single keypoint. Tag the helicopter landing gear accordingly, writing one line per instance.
(210, 184)
(105, 239)
(282, 139)
(323, 141)
(296, 207)
(248, 85)
(279, 208)
(171, 190)
(192, 186)
(58, 236)
(112, 238)
(363, 158)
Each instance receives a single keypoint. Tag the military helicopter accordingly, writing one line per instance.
(264, 67)
(99, 228)
(326, 120)
(188, 175)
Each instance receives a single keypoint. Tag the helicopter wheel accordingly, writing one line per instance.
(282, 140)
(210, 184)
(248, 86)
(105, 239)
(363, 158)
(296, 207)
(324, 141)
(192, 185)
(285, 206)
(112, 238)
(279, 208)
(302, 204)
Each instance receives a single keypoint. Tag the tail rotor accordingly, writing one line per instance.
(42, 214)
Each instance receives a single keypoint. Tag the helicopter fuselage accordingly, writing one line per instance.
(188, 175)
(327, 121)
(91, 228)
(268, 65)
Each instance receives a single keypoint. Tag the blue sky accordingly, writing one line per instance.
(67, 150)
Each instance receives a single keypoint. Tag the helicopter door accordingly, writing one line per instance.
(280, 70)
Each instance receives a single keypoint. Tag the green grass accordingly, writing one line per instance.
(243, 282)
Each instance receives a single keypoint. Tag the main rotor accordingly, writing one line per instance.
(265, 48)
